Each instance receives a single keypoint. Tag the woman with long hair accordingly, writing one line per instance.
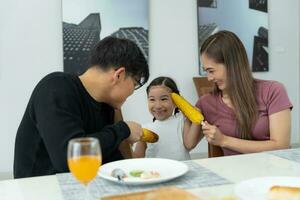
(243, 114)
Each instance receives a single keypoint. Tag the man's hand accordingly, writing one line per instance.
(135, 132)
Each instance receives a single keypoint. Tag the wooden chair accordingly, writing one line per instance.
(203, 86)
(124, 147)
(214, 151)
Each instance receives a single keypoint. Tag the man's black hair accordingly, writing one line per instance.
(112, 52)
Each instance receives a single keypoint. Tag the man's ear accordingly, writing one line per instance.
(120, 72)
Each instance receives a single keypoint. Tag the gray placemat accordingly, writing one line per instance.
(290, 154)
(196, 177)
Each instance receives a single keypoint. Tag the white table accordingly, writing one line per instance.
(233, 168)
(243, 167)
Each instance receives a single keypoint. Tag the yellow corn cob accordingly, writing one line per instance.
(187, 109)
(149, 136)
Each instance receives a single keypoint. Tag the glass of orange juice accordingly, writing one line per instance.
(84, 159)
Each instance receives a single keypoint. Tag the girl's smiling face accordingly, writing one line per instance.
(160, 103)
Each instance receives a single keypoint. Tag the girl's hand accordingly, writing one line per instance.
(213, 134)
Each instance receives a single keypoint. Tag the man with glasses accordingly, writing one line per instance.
(64, 106)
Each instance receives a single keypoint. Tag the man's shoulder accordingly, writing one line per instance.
(57, 80)
(57, 84)
(57, 76)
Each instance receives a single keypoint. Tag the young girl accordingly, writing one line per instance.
(177, 135)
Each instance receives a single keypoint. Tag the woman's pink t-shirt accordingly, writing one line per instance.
(271, 97)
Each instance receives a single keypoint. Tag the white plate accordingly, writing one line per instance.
(258, 188)
(168, 169)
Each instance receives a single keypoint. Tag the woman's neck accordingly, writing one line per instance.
(226, 100)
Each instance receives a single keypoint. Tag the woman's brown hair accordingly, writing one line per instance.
(226, 48)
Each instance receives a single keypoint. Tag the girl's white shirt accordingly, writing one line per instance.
(170, 144)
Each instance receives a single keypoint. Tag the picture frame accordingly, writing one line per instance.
(246, 23)
(85, 23)
(261, 5)
(207, 3)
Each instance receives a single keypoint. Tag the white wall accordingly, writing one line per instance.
(31, 46)
(284, 53)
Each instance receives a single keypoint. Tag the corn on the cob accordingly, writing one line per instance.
(149, 136)
(187, 109)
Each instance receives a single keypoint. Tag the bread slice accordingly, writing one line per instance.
(284, 193)
(165, 193)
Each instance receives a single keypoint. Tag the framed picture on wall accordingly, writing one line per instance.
(207, 3)
(260, 61)
(87, 22)
(251, 26)
(261, 5)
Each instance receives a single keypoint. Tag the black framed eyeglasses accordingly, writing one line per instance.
(137, 83)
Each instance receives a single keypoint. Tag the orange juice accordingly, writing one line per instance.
(84, 168)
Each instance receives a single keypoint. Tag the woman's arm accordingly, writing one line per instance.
(139, 150)
(280, 128)
(192, 134)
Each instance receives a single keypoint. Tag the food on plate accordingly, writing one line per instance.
(144, 174)
(136, 173)
(284, 193)
(187, 109)
(164, 193)
(151, 174)
(149, 136)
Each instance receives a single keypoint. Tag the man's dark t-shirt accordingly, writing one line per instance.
(61, 109)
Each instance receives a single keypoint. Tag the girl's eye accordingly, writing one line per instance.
(151, 100)
(164, 99)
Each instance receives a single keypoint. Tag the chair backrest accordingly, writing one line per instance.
(214, 151)
(124, 147)
(203, 86)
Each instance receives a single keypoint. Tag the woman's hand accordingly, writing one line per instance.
(213, 134)
(280, 130)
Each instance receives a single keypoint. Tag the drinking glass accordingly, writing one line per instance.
(84, 160)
